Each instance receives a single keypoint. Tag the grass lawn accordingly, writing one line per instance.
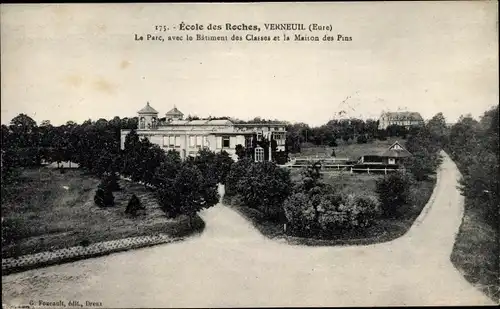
(49, 210)
(476, 252)
(384, 229)
(350, 150)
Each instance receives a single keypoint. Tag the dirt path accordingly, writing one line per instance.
(232, 264)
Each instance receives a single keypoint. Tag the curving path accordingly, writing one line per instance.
(232, 265)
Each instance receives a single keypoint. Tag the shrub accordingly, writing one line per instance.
(367, 209)
(134, 204)
(393, 191)
(327, 214)
(299, 213)
(104, 197)
(332, 219)
(340, 212)
(110, 182)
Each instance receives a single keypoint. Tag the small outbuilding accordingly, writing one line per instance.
(392, 156)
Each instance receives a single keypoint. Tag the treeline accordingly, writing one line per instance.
(349, 130)
(474, 146)
(29, 144)
(181, 187)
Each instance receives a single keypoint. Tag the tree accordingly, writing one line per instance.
(474, 147)
(234, 184)
(223, 164)
(362, 139)
(240, 151)
(438, 130)
(265, 186)
(393, 191)
(187, 194)
(110, 182)
(103, 196)
(134, 205)
(131, 141)
(346, 138)
(425, 150)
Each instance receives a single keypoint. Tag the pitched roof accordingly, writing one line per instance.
(147, 110)
(396, 152)
(174, 112)
(403, 116)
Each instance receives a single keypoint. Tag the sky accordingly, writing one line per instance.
(62, 62)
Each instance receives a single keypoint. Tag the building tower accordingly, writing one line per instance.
(174, 114)
(148, 118)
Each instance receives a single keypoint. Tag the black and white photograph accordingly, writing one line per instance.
(222, 155)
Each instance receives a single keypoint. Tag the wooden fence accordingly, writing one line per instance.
(328, 168)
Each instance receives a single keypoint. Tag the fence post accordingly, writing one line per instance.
(351, 170)
(385, 170)
(368, 171)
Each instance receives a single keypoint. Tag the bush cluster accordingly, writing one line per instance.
(393, 192)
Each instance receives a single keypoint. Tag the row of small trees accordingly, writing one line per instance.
(474, 146)
(348, 130)
(425, 143)
(95, 147)
(181, 187)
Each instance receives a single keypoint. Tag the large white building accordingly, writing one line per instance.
(406, 119)
(188, 136)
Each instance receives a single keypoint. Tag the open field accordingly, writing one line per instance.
(46, 210)
(352, 150)
(476, 251)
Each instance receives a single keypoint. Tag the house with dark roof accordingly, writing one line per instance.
(405, 119)
(392, 156)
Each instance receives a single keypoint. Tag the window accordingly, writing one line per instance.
(279, 137)
(171, 141)
(199, 141)
(259, 135)
(165, 141)
(177, 141)
(142, 123)
(259, 154)
(192, 141)
(248, 142)
(153, 122)
(392, 161)
(225, 142)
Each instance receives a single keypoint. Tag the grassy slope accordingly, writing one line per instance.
(476, 251)
(48, 216)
